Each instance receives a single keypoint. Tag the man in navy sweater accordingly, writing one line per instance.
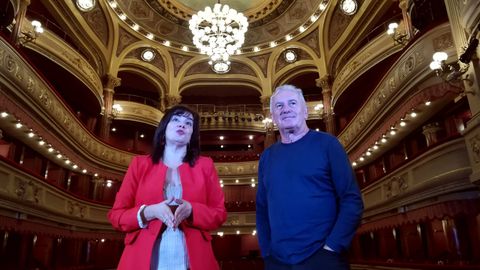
(308, 201)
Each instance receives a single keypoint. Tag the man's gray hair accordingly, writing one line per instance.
(287, 87)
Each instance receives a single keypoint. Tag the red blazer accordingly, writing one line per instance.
(143, 184)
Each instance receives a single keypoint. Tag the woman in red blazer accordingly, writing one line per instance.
(170, 200)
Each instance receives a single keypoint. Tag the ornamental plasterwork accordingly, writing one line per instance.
(262, 62)
(76, 209)
(98, 23)
(125, 39)
(394, 186)
(311, 40)
(199, 68)
(384, 92)
(240, 68)
(178, 61)
(338, 24)
(84, 67)
(27, 191)
(474, 144)
(238, 168)
(343, 77)
(443, 42)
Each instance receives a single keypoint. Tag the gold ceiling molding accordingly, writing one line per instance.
(97, 21)
(58, 51)
(125, 39)
(262, 62)
(264, 9)
(396, 85)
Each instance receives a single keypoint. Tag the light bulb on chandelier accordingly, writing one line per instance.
(218, 33)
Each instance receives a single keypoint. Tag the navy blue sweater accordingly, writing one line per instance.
(307, 197)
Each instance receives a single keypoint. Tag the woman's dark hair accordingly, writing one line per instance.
(193, 147)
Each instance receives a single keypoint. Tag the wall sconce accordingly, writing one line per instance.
(31, 36)
(448, 72)
(116, 109)
(268, 122)
(398, 38)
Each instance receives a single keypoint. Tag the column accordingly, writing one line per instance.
(19, 21)
(173, 100)
(430, 131)
(325, 83)
(269, 128)
(110, 82)
(463, 17)
(407, 21)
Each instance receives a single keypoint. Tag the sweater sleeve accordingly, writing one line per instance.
(212, 214)
(262, 221)
(350, 204)
(123, 214)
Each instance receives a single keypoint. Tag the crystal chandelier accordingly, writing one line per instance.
(218, 33)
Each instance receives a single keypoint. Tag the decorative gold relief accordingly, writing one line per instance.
(76, 209)
(27, 191)
(395, 186)
(475, 148)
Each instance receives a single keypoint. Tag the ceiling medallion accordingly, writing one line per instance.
(290, 56)
(218, 33)
(85, 5)
(148, 55)
(348, 7)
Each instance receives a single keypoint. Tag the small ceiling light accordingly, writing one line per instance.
(252, 180)
(85, 5)
(413, 114)
(402, 123)
(254, 232)
(114, 129)
(59, 155)
(348, 7)
(67, 161)
(148, 55)
(369, 153)
(221, 138)
(135, 27)
(323, 6)
(31, 134)
(290, 56)
(317, 129)
(393, 132)
(221, 185)
(361, 159)
(301, 29)
(18, 125)
(313, 18)
(375, 147)
(185, 48)
(237, 232)
(84, 171)
(109, 183)
(354, 164)
(250, 137)
(150, 36)
(166, 43)
(220, 234)
(96, 175)
(236, 181)
(75, 166)
(253, 185)
(113, 4)
(122, 16)
(288, 37)
(221, 181)
(42, 142)
(256, 49)
(249, 146)
(142, 135)
(221, 146)
(221, 67)
(50, 150)
(4, 114)
(273, 44)
(427, 103)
